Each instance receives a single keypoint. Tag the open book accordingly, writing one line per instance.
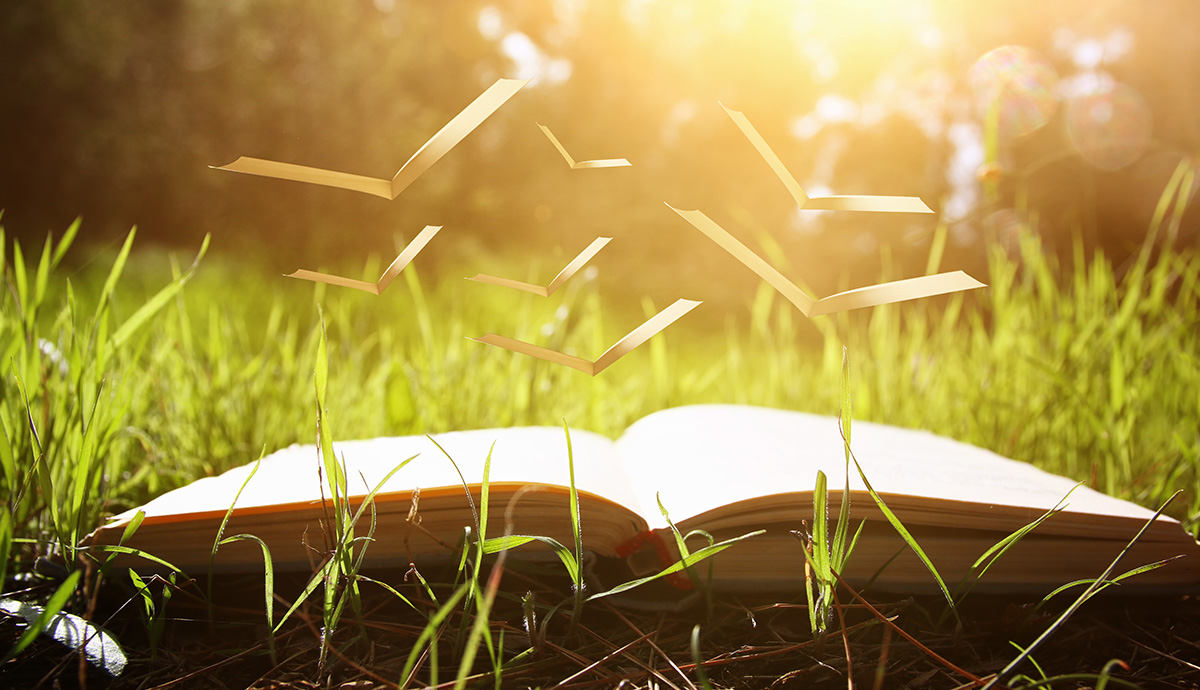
(727, 469)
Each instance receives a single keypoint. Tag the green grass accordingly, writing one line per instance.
(122, 383)
(1089, 378)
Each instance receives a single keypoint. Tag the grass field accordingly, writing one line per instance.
(117, 388)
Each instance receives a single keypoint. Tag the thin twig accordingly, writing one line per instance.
(941, 659)
(654, 672)
(616, 652)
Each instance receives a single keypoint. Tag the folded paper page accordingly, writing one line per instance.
(898, 204)
(563, 276)
(624, 346)
(432, 151)
(601, 163)
(405, 257)
(871, 296)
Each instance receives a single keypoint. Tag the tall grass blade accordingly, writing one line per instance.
(686, 562)
(155, 304)
(985, 561)
(512, 541)
(1098, 585)
(479, 627)
(114, 274)
(908, 539)
(315, 581)
(130, 551)
(134, 523)
(427, 634)
(268, 585)
(218, 539)
(64, 244)
(577, 533)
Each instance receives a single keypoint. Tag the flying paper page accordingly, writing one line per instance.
(870, 296)
(601, 163)
(562, 277)
(900, 204)
(432, 151)
(388, 276)
(624, 346)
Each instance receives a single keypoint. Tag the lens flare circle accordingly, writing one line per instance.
(1110, 128)
(1014, 87)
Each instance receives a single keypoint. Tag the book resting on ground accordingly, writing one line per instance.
(725, 469)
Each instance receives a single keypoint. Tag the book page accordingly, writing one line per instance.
(582, 165)
(430, 152)
(869, 296)
(858, 202)
(703, 457)
(622, 347)
(521, 455)
(402, 260)
(895, 291)
(563, 276)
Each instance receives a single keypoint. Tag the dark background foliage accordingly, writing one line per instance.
(114, 111)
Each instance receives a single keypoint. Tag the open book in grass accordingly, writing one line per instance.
(727, 469)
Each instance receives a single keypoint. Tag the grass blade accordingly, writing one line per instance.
(427, 634)
(686, 562)
(1095, 587)
(908, 539)
(155, 304)
(268, 584)
(512, 541)
(53, 607)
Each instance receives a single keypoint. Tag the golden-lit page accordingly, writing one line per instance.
(751, 260)
(563, 276)
(402, 260)
(455, 131)
(622, 347)
(437, 146)
(519, 455)
(645, 332)
(871, 296)
(738, 452)
(600, 163)
(898, 204)
(303, 173)
(896, 291)
(586, 366)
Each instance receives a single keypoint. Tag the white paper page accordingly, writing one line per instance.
(702, 457)
(522, 454)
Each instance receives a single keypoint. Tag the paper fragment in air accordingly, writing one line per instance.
(563, 276)
(581, 165)
(894, 204)
(430, 152)
(624, 346)
(869, 296)
(402, 260)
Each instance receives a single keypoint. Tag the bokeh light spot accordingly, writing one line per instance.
(1017, 85)
(1111, 128)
